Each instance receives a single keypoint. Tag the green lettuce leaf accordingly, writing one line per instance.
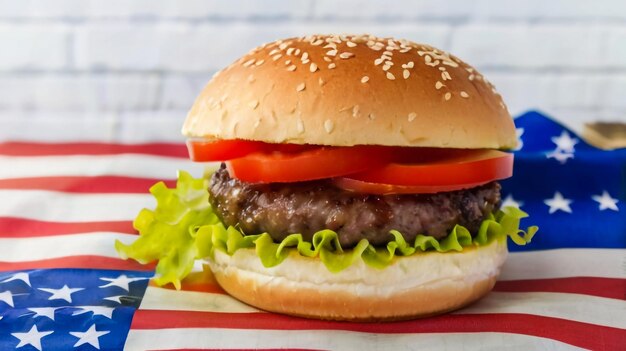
(183, 228)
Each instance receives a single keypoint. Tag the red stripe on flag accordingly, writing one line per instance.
(613, 288)
(580, 334)
(93, 185)
(91, 148)
(263, 349)
(11, 227)
(87, 261)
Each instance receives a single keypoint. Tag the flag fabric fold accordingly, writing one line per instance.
(63, 286)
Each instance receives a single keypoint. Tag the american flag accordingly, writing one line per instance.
(63, 286)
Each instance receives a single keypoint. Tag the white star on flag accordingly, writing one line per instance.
(520, 143)
(65, 293)
(18, 276)
(559, 156)
(32, 337)
(510, 201)
(97, 311)
(565, 142)
(122, 281)
(114, 298)
(7, 297)
(89, 337)
(558, 202)
(43, 312)
(606, 201)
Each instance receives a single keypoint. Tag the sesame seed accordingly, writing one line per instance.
(350, 44)
(376, 47)
(450, 63)
(260, 62)
(290, 51)
(249, 62)
(346, 55)
(300, 126)
(276, 57)
(388, 53)
(445, 75)
(406, 73)
(313, 67)
(390, 76)
(365, 79)
(471, 77)
(330, 46)
(321, 81)
(412, 116)
(447, 96)
(428, 59)
(355, 111)
(288, 62)
(274, 51)
(282, 46)
(253, 104)
(464, 94)
(442, 69)
(304, 56)
(378, 61)
(291, 68)
(306, 61)
(439, 85)
(329, 126)
(317, 42)
(386, 67)
(300, 87)
(327, 59)
(332, 65)
(297, 52)
(331, 53)
(410, 64)
(371, 116)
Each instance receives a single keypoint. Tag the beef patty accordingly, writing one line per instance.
(281, 209)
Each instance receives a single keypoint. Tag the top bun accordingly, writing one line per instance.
(346, 90)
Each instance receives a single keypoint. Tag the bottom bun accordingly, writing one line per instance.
(411, 287)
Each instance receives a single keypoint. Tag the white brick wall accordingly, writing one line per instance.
(103, 69)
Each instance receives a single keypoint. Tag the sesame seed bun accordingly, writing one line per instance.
(414, 286)
(352, 90)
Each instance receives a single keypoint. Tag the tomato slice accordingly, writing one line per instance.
(447, 167)
(221, 150)
(359, 186)
(310, 164)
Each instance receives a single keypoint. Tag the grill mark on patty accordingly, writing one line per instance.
(281, 209)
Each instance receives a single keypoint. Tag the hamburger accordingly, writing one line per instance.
(357, 180)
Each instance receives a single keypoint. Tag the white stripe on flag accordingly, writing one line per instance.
(172, 300)
(48, 247)
(62, 207)
(582, 308)
(332, 340)
(560, 263)
(128, 165)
